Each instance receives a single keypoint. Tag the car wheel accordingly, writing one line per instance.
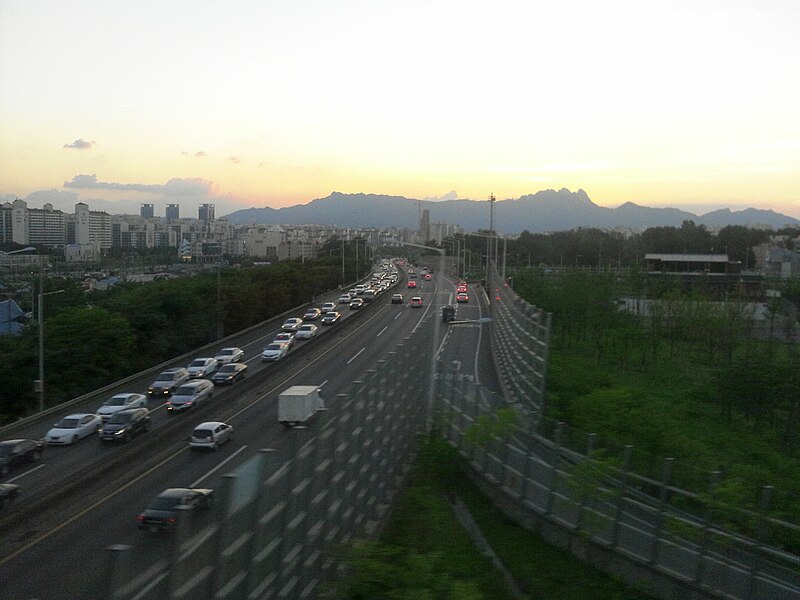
(74, 439)
(215, 446)
(36, 455)
(127, 437)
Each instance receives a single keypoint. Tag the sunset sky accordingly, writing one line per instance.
(693, 104)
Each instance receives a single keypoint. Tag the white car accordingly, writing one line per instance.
(291, 324)
(202, 367)
(229, 355)
(275, 351)
(121, 402)
(190, 394)
(211, 435)
(285, 337)
(306, 332)
(327, 307)
(345, 299)
(72, 428)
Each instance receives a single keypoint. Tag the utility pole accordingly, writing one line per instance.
(489, 246)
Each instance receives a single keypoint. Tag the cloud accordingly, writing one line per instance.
(451, 195)
(198, 154)
(79, 144)
(173, 188)
(234, 160)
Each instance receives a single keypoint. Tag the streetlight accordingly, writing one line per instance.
(41, 345)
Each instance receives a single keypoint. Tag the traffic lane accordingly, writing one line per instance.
(61, 461)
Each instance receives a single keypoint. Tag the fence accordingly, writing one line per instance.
(280, 514)
(548, 473)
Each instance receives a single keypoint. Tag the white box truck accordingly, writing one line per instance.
(298, 403)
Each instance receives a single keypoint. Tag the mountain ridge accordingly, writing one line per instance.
(545, 210)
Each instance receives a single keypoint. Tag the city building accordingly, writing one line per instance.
(147, 211)
(206, 213)
(173, 212)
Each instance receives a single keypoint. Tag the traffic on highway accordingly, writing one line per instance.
(128, 446)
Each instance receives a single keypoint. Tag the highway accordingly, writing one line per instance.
(58, 552)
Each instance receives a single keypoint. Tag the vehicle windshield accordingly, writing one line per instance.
(5, 451)
(165, 377)
(120, 418)
(228, 369)
(66, 423)
(273, 347)
(198, 363)
(306, 328)
(115, 401)
(225, 352)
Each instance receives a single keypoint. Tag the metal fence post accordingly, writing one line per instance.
(662, 507)
(763, 512)
(590, 441)
(116, 569)
(623, 489)
(554, 469)
(707, 514)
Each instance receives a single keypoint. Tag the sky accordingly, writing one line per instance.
(687, 103)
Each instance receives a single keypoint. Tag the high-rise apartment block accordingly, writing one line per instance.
(147, 212)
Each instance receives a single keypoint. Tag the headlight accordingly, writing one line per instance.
(120, 432)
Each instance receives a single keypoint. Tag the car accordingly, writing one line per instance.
(411, 284)
(327, 307)
(312, 314)
(119, 402)
(397, 299)
(211, 435)
(275, 351)
(291, 324)
(306, 332)
(167, 381)
(285, 337)
(360, 289)
(462, 297)
(330, 317)
(15, 453)
(124, 424)
(162, 512)
(461, 288)
(356, 303)
(229, 355)
(72, 428)
(345, 299)
(190, 394)
(369, 295)
(448, 313)
(202, 367)
(428, 277)
(8, 494)
(229, 374)
(416, 302)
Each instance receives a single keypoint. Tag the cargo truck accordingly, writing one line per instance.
(298, 403)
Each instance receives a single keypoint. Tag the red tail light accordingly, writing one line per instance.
(140, 518)
(172, 520)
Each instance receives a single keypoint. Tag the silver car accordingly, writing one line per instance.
(190, 394)
(211, 435)
(120, 402)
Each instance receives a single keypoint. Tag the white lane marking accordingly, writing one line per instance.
(381, 331)
(159, 406)
(323, 383)
(21, 475)
(219, 466)
(356, 356)
(397, 316)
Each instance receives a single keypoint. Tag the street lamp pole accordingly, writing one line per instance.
(41, 344)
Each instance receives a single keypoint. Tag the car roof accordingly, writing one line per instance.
(209, 425)
(195, 382)
(11, 442)
(78, 415)
(229, 348)
(172, 370)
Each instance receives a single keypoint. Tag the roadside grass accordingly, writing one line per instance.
(424, 553)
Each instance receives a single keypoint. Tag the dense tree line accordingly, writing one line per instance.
(92, 339)
(588, 247)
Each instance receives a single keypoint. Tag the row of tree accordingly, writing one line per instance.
(92, 339)
(587, 247)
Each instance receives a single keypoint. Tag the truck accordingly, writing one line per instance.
(298, 403)
(448, 313)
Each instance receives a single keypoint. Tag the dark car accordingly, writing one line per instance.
(329, 318)
(229, 374)
(397, 299)
(162, 512)
(123, 425)
(448, 313)
(166, 382)
(15, 453)
(8, 494)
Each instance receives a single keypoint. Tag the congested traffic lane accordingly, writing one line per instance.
(63, 463)
(253, 415)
